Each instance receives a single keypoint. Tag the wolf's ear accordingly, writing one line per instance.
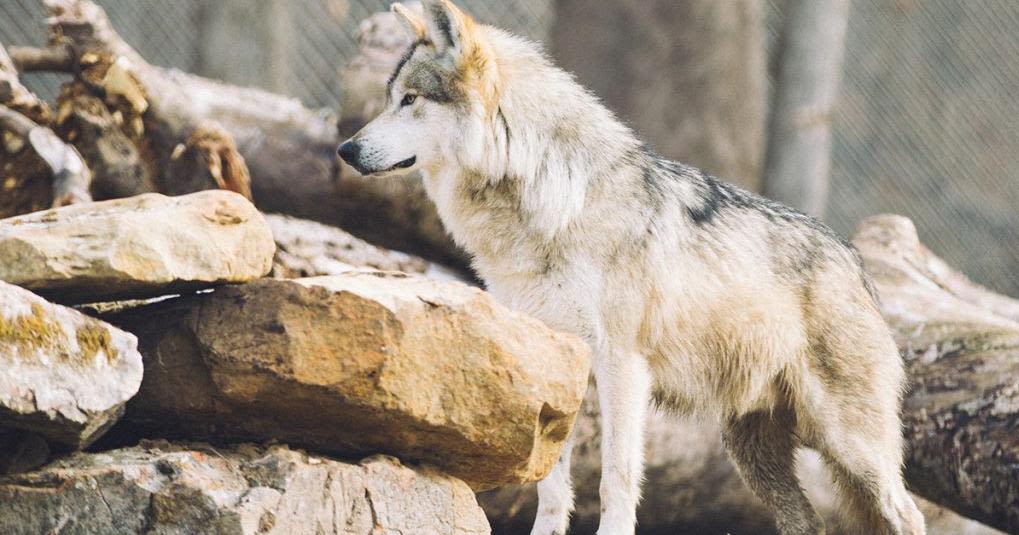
(448, 27)
(411, 19)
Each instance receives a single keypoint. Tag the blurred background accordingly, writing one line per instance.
(923, 125)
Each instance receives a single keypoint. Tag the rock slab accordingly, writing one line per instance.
(63, 375)
(358, 364)
(169, 489)
(309, 249)
(141, 246)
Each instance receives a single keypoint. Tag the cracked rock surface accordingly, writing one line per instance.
(159, 488)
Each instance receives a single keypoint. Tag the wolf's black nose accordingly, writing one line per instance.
(349, 151)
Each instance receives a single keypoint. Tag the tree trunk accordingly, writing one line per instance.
(689, 76)
(961, 415)
(799, 136)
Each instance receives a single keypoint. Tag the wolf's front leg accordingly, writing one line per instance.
(555, 496)
(624, 388)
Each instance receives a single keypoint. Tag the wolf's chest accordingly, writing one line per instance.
(558, 303)
(486, 221)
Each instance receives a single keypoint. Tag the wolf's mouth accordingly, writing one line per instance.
(405, 164)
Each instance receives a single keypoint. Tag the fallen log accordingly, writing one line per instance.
(182, 154)
(961, 345)
(961, 416)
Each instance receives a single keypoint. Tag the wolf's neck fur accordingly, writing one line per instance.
(543, 173)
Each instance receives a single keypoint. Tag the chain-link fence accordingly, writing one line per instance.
(925, 126)
(165, 33)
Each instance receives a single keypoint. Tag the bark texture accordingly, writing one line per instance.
(26, 181)
(183, 147)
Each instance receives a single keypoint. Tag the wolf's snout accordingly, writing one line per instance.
(350, 151)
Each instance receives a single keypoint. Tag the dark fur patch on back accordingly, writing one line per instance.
(713, 200)
(715, 197)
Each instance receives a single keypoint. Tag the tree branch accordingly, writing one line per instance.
(71, 177)
(53, 58)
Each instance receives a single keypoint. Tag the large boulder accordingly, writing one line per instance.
(140, 246)
(63, 376)
(177, 490)
(361, 363)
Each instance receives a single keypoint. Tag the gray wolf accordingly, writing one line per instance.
(692, 293)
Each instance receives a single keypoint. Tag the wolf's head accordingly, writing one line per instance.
(444, 89)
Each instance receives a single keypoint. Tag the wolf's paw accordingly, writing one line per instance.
(551, 524)
(616, 524)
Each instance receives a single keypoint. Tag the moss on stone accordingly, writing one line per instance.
(37, 331)
(92, 339)
(32, 331)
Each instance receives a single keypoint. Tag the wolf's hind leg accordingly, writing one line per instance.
(866, 466)
(555, 496)
(763, 447)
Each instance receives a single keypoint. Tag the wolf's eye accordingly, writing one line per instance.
(408, 99)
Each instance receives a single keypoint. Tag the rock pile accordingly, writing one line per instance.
(158, 487)
(366, 363)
